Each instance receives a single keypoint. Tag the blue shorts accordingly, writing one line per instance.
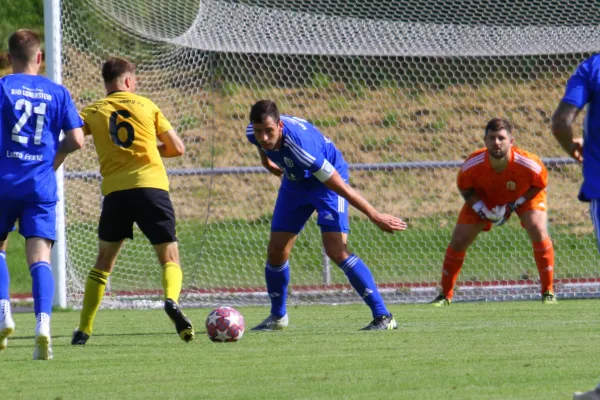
(295, 206)
(35, 219)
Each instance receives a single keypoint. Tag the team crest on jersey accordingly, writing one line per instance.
(510, 185)
(288, 162)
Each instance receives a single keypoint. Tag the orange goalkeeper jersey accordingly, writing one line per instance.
(524, 170)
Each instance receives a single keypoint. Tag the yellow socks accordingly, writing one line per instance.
(172, 277)
(94, 291)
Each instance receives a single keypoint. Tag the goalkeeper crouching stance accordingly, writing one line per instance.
(131, 135)
(315, 178)
(495, 181)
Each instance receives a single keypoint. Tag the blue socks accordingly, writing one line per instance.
(4, 278)
(362, 281)
(359, 275)
(278, 279)
(42, 287)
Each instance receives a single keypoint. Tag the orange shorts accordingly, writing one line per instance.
(469, 217)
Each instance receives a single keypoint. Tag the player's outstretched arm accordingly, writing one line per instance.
(73, 141)
(385, 222)
(269, 165)
(170, 144)
(562, 129)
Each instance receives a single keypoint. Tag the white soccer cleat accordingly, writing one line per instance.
(43, 346)
(591, 395)
(7, 325)
(272, 323)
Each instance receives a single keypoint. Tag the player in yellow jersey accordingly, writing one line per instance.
(131, 135)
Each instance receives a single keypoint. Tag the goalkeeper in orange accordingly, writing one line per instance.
(495, 181)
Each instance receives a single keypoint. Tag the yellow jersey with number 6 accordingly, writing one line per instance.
(125, 127)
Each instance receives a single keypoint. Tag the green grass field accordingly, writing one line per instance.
(508, 350)
(412, 256)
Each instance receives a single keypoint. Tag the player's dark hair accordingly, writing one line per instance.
(262, 110)
(115, 67)
(23, 45)
(497, 124)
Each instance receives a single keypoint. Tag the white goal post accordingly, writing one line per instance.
(52, 47)
(404, 89)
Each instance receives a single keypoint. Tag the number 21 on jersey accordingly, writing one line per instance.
(39, 111)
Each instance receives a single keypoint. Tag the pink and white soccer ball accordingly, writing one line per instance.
(225, 324)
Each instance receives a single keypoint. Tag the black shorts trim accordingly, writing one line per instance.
(150, 208)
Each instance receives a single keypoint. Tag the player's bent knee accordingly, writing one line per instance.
(167, 252)
(537, 233)
(277, 258)
(460, 245)
(337, 255)
(278, 253)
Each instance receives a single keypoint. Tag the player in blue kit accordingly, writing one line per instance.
(583, 88)
(33, 111)
(315, 177)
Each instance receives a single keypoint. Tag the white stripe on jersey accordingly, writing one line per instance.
(527, 162)
(478, 159)
(307, 155)
(300, 153)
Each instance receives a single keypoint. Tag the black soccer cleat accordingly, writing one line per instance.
(183, 325)
(382, 323)
(79, 338)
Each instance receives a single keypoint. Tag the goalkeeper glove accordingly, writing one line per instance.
(508, 210)
(481, 209)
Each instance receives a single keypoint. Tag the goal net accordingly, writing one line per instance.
(403, 89)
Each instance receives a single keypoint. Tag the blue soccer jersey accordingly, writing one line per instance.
(584, 88)
(304, 152)
(34, 110)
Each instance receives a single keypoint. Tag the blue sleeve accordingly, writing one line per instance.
(307, 153)
(71, 119)
(578, 91)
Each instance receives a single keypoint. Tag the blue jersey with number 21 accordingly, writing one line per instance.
(34, 110)
(303, 152)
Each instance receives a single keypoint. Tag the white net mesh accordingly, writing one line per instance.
(403, 90)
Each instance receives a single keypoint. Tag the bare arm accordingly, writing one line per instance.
(470, 196)
(562, 129)
(268, 164)
(385, 222)
(171, 144)
(73, 141)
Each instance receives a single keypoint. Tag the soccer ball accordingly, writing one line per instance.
(225, 324)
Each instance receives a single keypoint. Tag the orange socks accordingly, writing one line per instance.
(543, 252)
(453, 262)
